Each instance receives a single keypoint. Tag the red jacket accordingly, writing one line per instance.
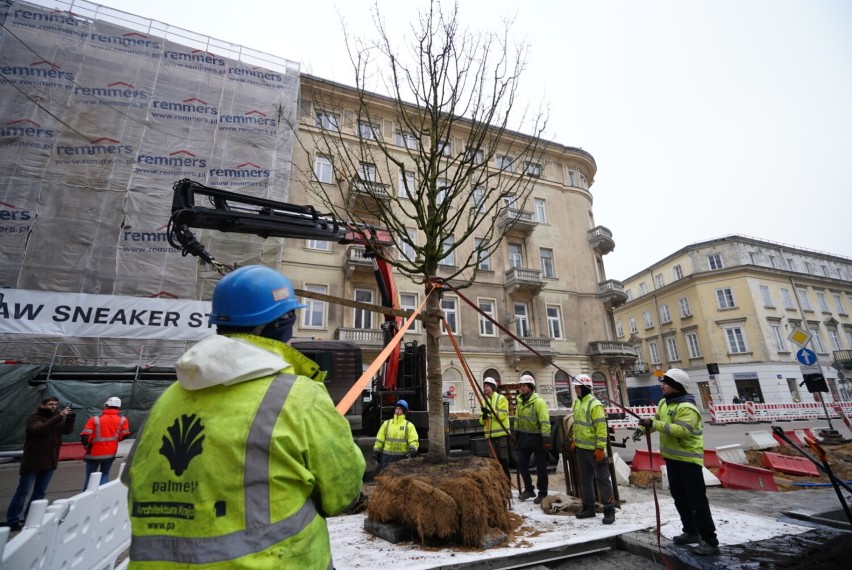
(102, 434)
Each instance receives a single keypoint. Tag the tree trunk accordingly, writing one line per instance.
(434, 377)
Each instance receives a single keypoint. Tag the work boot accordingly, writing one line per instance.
(609, 517)
(538, 499)
(706, 549)
(687, 538)
(586, 513)
(526, 495)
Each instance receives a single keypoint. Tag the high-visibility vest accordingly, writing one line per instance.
(590, 430)
(533, 417)
(681, 433)
(103, 433)
(396, 436)
(241, 476)
(498, 424)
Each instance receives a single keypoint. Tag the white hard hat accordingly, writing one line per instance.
(583, 380)
(679, 376)
(490, 380)
(527, 379)
(113, 402)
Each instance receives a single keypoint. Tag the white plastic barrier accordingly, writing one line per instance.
(87, 531)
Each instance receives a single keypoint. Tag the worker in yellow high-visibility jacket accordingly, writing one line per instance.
(495, 420)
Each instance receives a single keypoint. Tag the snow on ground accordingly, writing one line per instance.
(352, 547)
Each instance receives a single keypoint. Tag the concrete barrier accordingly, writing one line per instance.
(731, 454)
(760, 439)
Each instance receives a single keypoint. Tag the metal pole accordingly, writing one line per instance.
(825, 409)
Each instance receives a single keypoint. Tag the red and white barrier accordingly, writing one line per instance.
(753, 412)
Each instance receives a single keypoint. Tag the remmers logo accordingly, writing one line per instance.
(128, 40)
(244, 170)
(194, 58)
(253, 117)
(191, 105)
(114, 90)
(160, 235)
(179, 158)
(26, 128)
(53, 17)
(9, 213)
(99, 146)
(41, 69)
(255, 73)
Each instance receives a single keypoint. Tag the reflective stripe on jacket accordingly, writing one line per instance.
(241, 475)
(681, 434)
(590, 423)
(103, 434)
(396, 436)
(497, 425)
(533, 419)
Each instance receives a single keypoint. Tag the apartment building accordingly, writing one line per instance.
(547, 282)
(733, 303)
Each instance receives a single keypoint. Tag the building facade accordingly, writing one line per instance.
(725, 310)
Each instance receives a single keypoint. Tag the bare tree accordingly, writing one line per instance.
(462, 175)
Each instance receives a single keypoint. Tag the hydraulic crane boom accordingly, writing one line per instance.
(231, 212)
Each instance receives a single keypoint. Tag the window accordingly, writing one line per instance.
(367, 171)
(633, 327)
(665, 316)
(788, 301)
(445, 148)
(583, 183)
(683, 303)
(629, 294)
(486, 327)
(408, 302)
(443, 186)
(516, 257)
(778, 335)
(714, 262)
(547, 268)
(407, 140)
(835, 340)
(643, 288)
(848, 332)
(533, 169)
(839, 303)
(678, 272)
(449, 257)
(363, 319)
(554, 322)
(323, 170)
(406, 249)
(450, 307)
(767, 298)
(736, 340)
(522, 321)
(407, 185)
(649, 322)
(692, 345)
(823, 306)
(824, 270)
(326, 120)
(478, 198)
(660, 281)
(817, 340)
(753, 257)
(321, 244)
(790, 265)
(671, 349)
(477, 156)
(540, 210)
(313, 316)
(725, 298)
(773, 262)
(808, 268)
(803, 299)
(572, 178)
(841, 274)
(505, 163)
(653, 352)
(619, 330)
(368, 131)
(483, 257)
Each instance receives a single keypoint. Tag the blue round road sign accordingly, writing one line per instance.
(806, 356)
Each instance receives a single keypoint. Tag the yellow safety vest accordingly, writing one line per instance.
(681, 433)
(590, 430)
(396, 435)
(498, 423)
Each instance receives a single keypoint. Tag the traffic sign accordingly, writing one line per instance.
(799, 337)
(806, 356)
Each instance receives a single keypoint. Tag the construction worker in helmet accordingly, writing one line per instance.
(397, 438)
(100, 437)
(532, 438)
(495, 420)
(590, 439)
(243, 457)
(678, 422)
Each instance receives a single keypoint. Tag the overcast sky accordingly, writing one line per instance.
(706, 118)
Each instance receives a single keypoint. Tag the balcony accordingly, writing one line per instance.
(517, 222)
(612, 293)
(357, 260)
(362, 191)
(367, 338)
(516, 351)
(524, 280)
(612, 352)
(601, 240)
(638, 370)
(842, 360)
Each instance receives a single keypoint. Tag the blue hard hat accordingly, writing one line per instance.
(251, 296)
(402, 404)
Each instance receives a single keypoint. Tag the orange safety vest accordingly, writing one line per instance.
(104, 433)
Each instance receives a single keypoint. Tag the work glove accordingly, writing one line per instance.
(377, 456)
(547, 445)
(600, 456)
(412, 452)
(573, 445)
(646, 423)
(485, 414)
(638, 435)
